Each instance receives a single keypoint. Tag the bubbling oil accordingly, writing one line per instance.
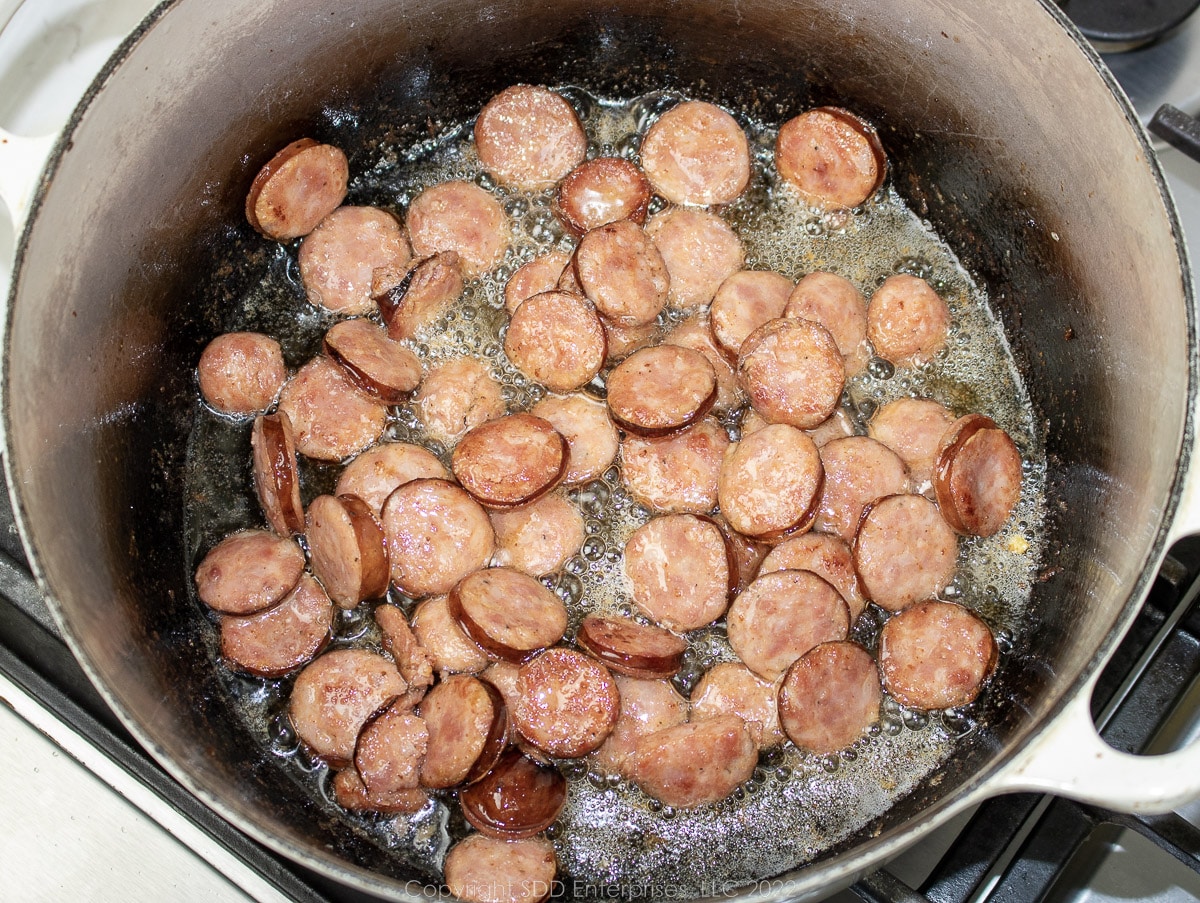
(797, 804)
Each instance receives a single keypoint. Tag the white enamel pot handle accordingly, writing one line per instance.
(22, 161)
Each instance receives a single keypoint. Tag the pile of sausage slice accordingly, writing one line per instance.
(786, 534)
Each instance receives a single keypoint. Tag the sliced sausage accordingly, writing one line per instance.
(622, 341)
(516, 799)
(457, 395)
(332, 417)
(529, 137)
(630, 648)
(904, 552)
(412, 300)
(436, 535)
(568, 702)
(241, 373)
(276, 477)
(459, 216)
(334, 696)
(412, 661)
(621, 271)
(592, 439)
(390, 751)
(781, 616)
(275, 642)
(350, 793)
(826, 556)
(770, 483)
(537, 538)
(978, 477)
(792, 371)
(482, 869)
(936, 655)
(249, 571)
(504, 677)
(693, 764)
(836, 304)
(646, 706)
(731, 687)
(509, 615)
(661, 390)
(745, 554)
(695, 333)
(511, 460)
(346, 545)
(450, 650)
(696, 153)
(837, 425)
(377, 364)
(907, 321)
(745, 301)
(858, 470)
(831, 157)
(676, 474)
(337, 259)
(602, 191)
(830, 696)
(700, 251)
(913, 429)
(468, 730)
(556, 339)
(539, 275)
(679, 571)
(376, 473)
(296, 189)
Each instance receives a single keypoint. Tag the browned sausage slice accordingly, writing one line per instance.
(781, 616)
(537, 538)
(695, 333)
(337, 259)
(529, 137)
(696, 153)
(335, 695)
(274, 642)
(241, 373)
(913, 429)
(249, 571)
(602, 191)
(457, 395)
(416, 299)
(830, 696)
(693, 764)
(482, 869)
(412, 661)
(510, 460)
(831, 157)
(391, 748)
(347, 548)
(679, 571)
(450, 650)
(770, 483)
(568, 702)
(792, 371)
(661, 389)
(468, 730)
(836, 304)
(459, 216)
(276, 478)
(508, 614)
(296, 189)
(904, 552)
(436, 535)
(676, 474)
(700, 251)
(627, 647)
(556, 339)
(350, 793)
(978, 479)
(826, 556)
(539, 275)
(907, 321)
(592, 440)
(646, 706)
(376, 473)
(858, 470)
(745, 554)
(516, 799)
(744, 302)
(332, 417)
(377, 364)
(731, 687)
(621, 271)
(936, 655)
